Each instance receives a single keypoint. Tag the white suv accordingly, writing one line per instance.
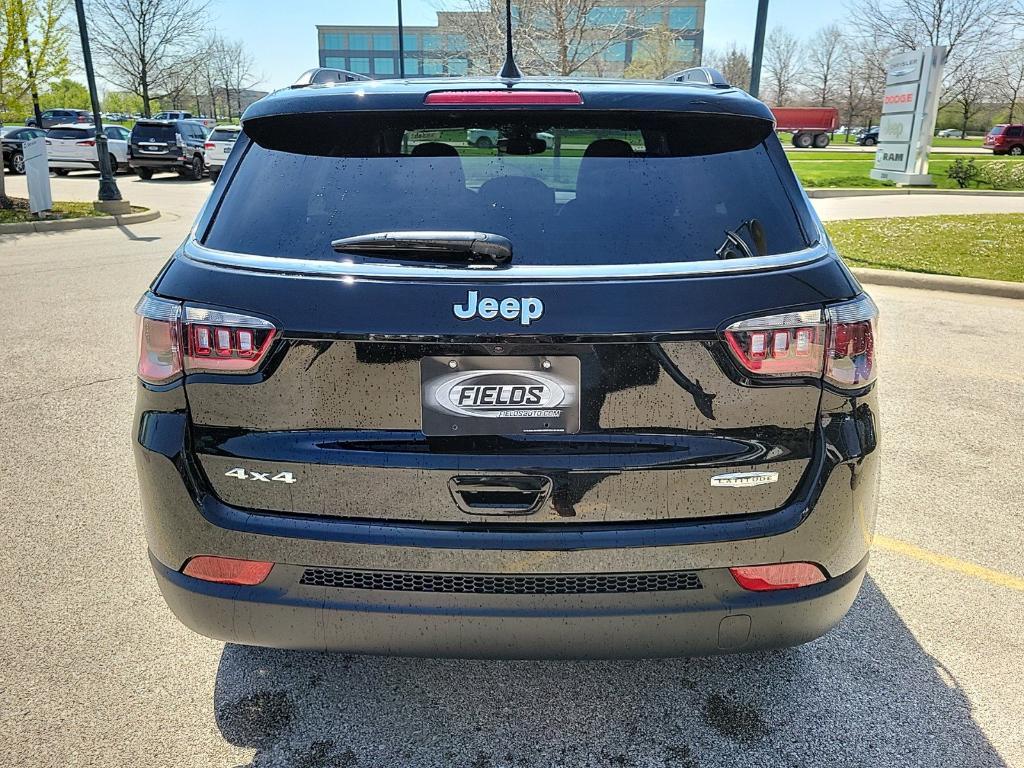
(71, 147)
(218, 147)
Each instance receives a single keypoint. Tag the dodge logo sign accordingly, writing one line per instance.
(501, 394)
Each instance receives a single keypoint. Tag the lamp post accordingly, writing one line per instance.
(401, 43)
(758, 52)
(109, 195)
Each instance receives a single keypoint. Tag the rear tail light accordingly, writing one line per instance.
(791, 344)
(225, 342)
(158, 336)
(194, 340)
(209, 145)
(838, 344)
(850, 355)
(508, 96)
(228, 570)
(86, 143)
(769, 578)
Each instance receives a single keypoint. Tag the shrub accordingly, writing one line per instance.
(1005, 174)
(963, 173)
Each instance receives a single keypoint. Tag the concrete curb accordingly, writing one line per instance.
(83, 222)
(1001, 288)
(823, 192)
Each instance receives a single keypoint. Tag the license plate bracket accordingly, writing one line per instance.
(499, 395)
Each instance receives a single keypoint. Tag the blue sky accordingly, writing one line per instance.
(282, 36)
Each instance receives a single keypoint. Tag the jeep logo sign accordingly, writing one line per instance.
(526, 310)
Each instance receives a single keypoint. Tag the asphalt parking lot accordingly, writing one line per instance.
(925, 670)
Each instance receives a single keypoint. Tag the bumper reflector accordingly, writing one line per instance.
(228, 570)
(768, 578)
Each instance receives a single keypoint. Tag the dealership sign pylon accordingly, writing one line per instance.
(913, 82)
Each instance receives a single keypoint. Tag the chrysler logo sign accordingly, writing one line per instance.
(501, 394)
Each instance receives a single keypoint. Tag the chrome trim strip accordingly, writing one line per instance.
(517, 272)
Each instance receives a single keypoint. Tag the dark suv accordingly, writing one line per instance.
(167, 145)
(608, 395)
(52, 117)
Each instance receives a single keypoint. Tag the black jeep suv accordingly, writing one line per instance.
(167, 145)
(608, 394)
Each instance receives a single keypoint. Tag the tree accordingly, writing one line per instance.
(656, 55)
(552, 37)
(969, 28)
(1009, 85)
(851, 87)
(822, 55)
(970, 92)
(65, 93)
(37, 27)
(782, 63)
(122, 102)
(733, 63)
(240, 75)
(147, 47)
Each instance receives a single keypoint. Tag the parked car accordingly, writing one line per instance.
(179, 115)
(13, 136)
(52, 117)
(1005, 139)
(218, 146)
(402, 398)
(869, 138)
(71, 147)
(168, 145)
(488, 138)
(951, 133)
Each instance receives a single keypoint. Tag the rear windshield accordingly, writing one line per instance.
(70, 133)
(154, 132)
(223, 134)
(647, 190)
(997, 131)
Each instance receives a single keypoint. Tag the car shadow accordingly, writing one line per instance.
(864, 695)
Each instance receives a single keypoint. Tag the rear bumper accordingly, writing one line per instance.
(157, 162)
(719, 618)
(55, 162)
(829, 521)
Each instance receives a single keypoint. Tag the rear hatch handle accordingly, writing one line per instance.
(500, 495)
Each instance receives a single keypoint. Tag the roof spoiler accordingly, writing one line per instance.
(324, 75)
(700, 76)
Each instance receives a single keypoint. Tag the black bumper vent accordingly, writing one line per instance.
(490, 584)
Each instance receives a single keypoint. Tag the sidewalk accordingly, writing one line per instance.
(894, 205)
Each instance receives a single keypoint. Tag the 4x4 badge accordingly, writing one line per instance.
(526, 309)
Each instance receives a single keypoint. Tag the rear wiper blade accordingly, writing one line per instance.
(736, 247)
(481, 248)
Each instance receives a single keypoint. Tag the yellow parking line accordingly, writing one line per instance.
(950, 563)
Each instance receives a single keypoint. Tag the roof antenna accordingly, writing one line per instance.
(509, 70)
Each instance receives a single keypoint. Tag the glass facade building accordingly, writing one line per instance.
(443, 50)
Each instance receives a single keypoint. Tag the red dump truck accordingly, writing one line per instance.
(810, 126)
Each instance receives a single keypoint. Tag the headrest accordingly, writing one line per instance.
(434, 149)
(609, 148)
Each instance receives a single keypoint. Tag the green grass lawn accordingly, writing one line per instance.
(970, 141)
(986, 246)
(60, 210)
(843, 169)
